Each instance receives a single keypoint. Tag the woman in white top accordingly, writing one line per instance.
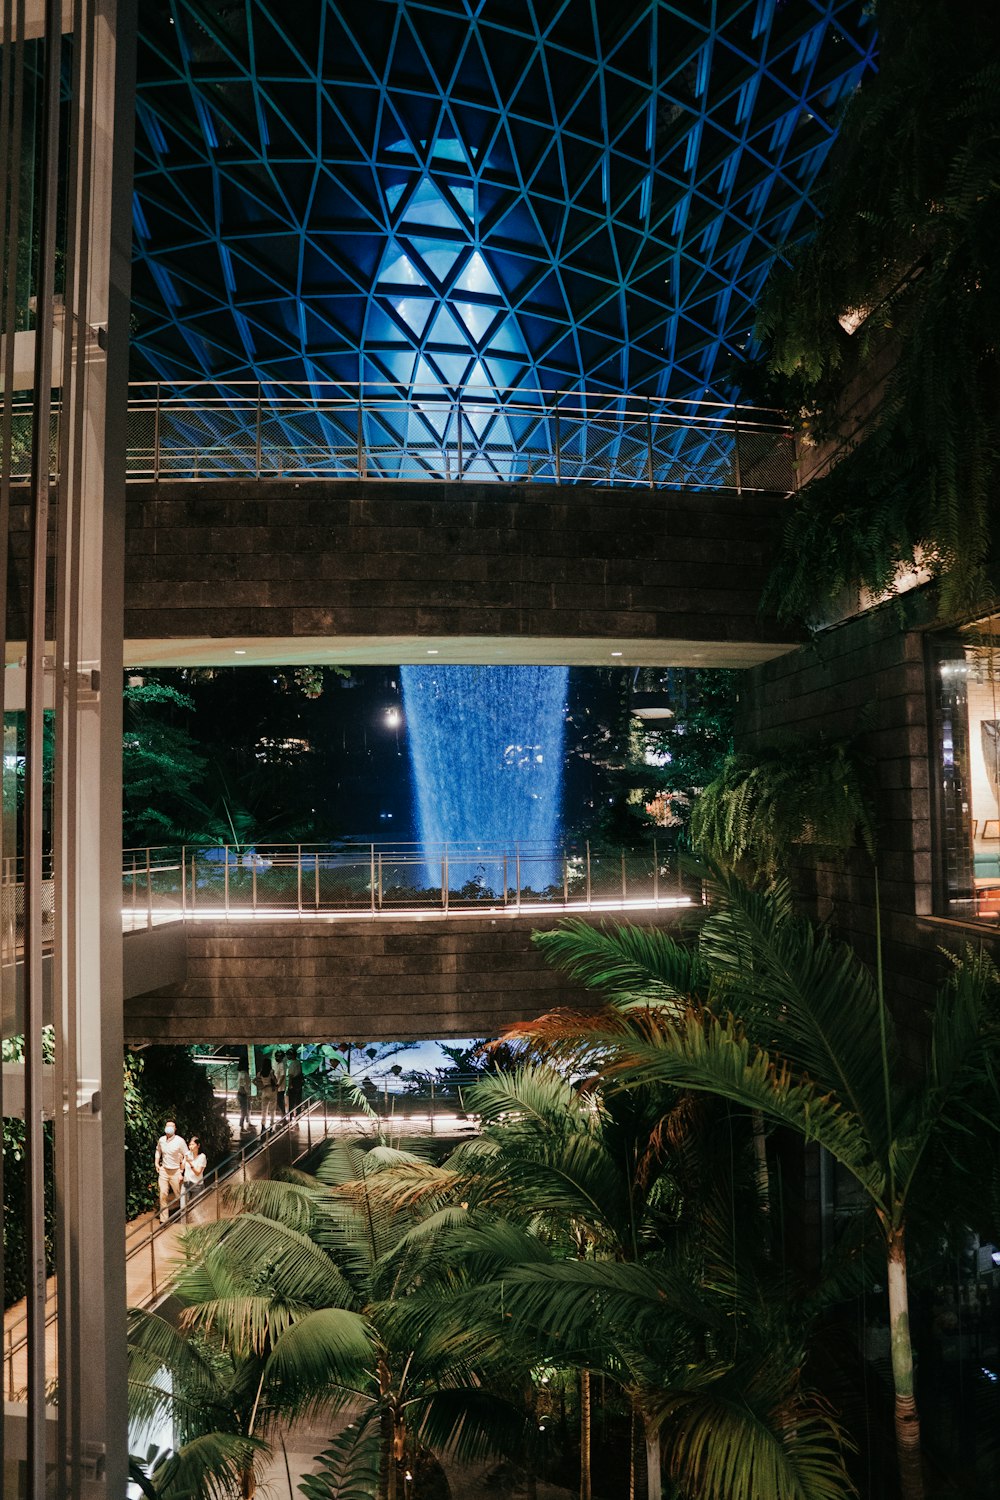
(195, 1162)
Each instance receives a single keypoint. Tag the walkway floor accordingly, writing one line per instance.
(150, 1254)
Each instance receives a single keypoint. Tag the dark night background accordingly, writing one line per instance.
(273, 754)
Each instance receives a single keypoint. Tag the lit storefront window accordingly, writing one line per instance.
(965, 690)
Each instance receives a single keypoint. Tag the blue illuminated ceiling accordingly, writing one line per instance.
(524, 193)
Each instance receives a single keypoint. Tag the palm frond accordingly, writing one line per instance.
(291, 1203)
(589, 1309)
(471, 1424)
(155, 1345)
(296, 1267)
(349, 1468)
(330, 1346)
(807, 995)
(722, 1446)
(533, 1092)
(626, 962)
(209, 1467)
(703, 1053)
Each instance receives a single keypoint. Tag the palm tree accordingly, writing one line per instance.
(796, 1027)
(263, 1334)
(577, 1170)
(295, 1295)
(615, 1252)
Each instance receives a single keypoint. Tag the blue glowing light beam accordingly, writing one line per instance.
(486, 752)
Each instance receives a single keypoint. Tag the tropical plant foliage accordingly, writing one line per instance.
(910, 245)
(288, 1309)
(766, 803)
(583, 1236)
(792, 1025)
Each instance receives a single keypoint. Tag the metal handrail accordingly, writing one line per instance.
(161, 883)
(213, 1184)
(382, 431)
(372, 878)
(348, 392)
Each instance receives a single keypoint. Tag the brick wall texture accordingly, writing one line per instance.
(319, 558)
(867, 677)
(356, 980)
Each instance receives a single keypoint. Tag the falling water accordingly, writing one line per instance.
(486, 751)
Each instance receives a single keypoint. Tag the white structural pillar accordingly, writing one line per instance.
(88, 799)
(74, 661)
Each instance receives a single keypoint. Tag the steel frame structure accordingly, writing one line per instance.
(545, 194)
(65, 154)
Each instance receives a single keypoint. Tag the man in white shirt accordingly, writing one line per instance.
(171, 1150)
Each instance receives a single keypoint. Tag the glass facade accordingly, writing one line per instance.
(965, 703)
(528, 197)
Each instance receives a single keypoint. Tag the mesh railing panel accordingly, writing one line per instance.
(505, 437)
(764, 463)
(500, 438)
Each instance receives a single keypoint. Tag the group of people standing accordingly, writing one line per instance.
(278, 1085)
(180, 1168)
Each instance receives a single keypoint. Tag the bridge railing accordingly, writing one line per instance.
(256, 430)
(372, 879)
(151, 1247)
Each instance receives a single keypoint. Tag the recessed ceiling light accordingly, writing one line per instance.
(239, 651)
(616, 653)
(432, 653)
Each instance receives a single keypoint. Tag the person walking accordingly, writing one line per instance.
(243, 1093)
(195, 1162)
(279, 1078)
(171, 1150)
(267, 1088)
(293, 1078)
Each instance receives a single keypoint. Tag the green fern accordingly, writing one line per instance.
(910, 235)
(763, 805)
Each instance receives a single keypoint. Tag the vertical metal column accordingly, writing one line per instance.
(34, 778)
(362, 463)
(11, 115)
(89, 624)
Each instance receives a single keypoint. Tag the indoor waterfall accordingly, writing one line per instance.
(486, 752)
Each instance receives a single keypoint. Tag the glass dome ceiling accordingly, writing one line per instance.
(526, 194)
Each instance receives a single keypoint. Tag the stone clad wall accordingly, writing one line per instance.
(869, 675)
(321, 558)
(386, 980)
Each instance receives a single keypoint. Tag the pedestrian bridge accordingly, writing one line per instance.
(349, 941)
(269, 526)
(368, 942)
